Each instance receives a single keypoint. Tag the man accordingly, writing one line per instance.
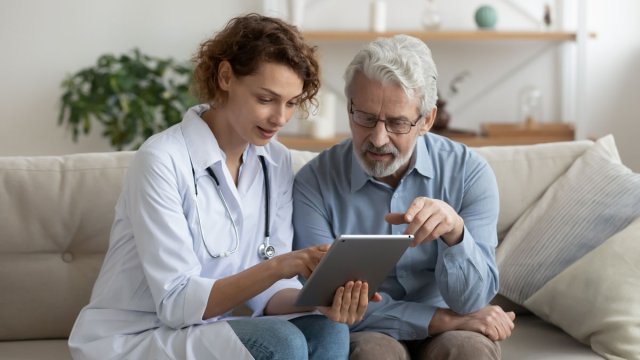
(394, 177)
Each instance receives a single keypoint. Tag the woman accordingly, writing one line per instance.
(204, 207)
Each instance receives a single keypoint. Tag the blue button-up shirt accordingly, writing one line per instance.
(333, 196)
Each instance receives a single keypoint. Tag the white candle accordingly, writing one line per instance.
(323, 126)
(296, 12)
(378, 16)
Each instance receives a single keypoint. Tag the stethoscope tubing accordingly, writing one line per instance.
(265, 249)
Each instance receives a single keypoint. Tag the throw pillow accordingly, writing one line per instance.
(597, 299)
(531, 167)
(596, 198)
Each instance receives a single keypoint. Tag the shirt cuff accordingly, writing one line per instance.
(458, 252)
(259, 302)
(418, 317)
(400, 320)
(196, 299)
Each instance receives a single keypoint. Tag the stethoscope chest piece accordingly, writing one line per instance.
(266, 251)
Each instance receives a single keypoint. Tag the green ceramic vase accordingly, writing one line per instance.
(486, 17)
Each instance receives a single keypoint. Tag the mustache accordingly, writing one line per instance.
(384, 149)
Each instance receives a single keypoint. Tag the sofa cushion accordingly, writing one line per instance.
(535, 339)
(56, 213)
(597, 299)
(595, 199)
(300, 157)
(524, 173)
(35, 349)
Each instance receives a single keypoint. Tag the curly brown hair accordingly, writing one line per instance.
(246, 42)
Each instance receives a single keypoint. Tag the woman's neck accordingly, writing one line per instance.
(228, 139)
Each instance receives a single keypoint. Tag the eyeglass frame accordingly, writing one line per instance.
(386, 125)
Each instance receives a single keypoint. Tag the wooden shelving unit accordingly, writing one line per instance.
(494, 134)
(445, 35)
(317, 145)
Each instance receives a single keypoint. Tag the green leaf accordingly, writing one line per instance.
(133, 96)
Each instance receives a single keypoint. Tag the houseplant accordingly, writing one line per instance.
(132, 96)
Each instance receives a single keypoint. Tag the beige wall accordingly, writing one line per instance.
(41, 41)
(613, 79)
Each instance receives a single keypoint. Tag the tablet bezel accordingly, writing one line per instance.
(353, 257)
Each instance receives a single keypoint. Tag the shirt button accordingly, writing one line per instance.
(67, 257)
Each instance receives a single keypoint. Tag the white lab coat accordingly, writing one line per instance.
(153, 287)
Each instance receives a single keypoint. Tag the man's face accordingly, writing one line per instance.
(382, 154)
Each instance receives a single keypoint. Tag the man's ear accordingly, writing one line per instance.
(225, 74)
(430, 118)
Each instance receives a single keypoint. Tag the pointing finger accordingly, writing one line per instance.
(395, 218)
(416, 205)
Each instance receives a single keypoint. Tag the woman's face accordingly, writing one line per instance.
(259, 105)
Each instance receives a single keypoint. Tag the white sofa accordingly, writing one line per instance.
(56, 213)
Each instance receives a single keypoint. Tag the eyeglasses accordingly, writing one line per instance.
(393, 125)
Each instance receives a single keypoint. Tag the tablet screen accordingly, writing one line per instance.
(367, 258)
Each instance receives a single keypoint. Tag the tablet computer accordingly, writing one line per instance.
(367, 258)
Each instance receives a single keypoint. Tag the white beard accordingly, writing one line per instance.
(379, 169)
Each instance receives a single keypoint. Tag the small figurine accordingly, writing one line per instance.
(547, 15)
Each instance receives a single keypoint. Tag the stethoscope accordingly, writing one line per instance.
(265, 250)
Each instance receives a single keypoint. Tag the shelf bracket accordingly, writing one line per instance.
(500, 80)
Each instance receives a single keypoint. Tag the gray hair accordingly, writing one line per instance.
(403, 60)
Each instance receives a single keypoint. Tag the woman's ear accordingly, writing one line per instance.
(430, 118)
(225, 74)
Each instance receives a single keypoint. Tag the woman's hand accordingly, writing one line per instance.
(300, 262)
(349, 303)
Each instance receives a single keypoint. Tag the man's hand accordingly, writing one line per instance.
(491, 321)
(349, 303)
(430, 219)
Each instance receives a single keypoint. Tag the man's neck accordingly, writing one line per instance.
(394, 179)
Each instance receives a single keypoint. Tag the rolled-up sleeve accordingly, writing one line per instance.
(466, 273)
(164, 242)
(399, 319)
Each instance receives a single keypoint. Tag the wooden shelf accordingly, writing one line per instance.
(529, 129)
(499, 135)
(445, 35)
(477, 141)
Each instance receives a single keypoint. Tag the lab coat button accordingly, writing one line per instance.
(67, 257)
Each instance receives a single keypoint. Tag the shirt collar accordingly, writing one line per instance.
(358, 176)
(420, 161)
(423, 162)
(203, 146)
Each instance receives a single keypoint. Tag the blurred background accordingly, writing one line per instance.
(593, 83)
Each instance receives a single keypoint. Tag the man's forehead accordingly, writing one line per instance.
(376, 94)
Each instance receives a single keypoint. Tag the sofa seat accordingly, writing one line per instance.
(34, 350)
(533, 339)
